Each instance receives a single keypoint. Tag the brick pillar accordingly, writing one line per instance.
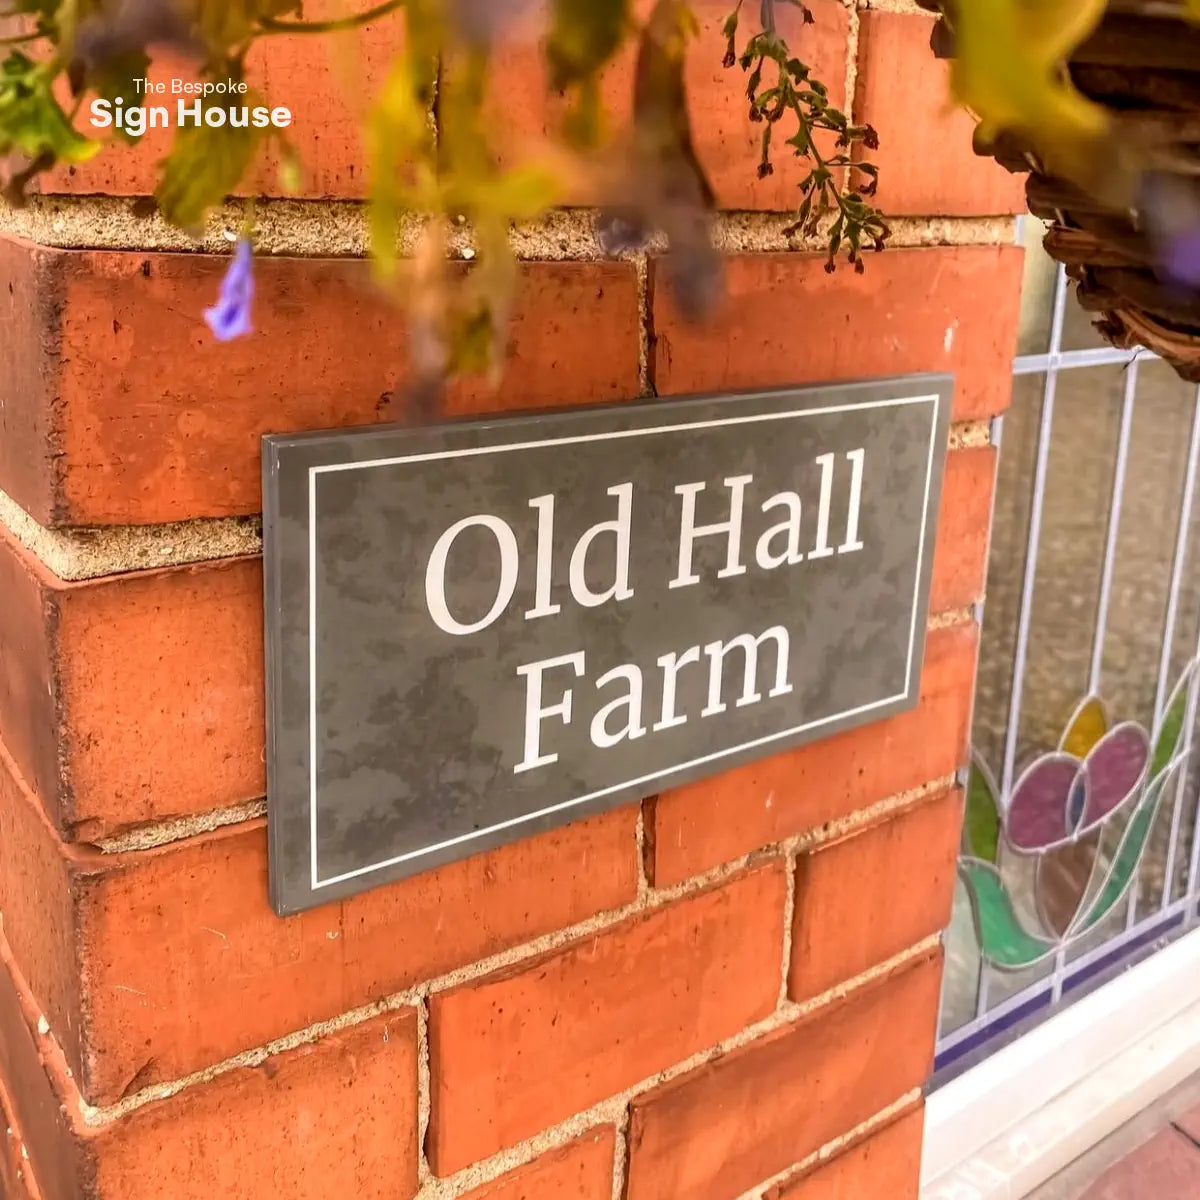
(730, 988)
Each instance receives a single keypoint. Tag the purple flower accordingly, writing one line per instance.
(230, 316)
(1170, 210)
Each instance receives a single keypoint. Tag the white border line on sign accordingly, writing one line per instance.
(473, 451)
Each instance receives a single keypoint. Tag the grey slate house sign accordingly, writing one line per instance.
(484, 629)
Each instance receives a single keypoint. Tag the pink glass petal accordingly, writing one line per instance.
(1115, 767)
(1037, 816)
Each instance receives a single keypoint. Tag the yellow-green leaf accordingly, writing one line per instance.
(1008, 70)
(522, 194)
(398, 132)
(31, 119)
(206, 163)
(584, 35)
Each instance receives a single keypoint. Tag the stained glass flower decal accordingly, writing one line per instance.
(1102, 785)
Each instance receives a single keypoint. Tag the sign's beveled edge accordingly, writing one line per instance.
(473, 428)
(475, 431)
(273, 651)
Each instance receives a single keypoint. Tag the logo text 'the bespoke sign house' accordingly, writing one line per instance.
(481, 630)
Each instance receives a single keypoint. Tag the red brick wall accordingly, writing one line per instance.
(730, 987)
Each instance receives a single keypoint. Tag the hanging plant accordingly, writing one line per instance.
(1100, 101)
(430, 140)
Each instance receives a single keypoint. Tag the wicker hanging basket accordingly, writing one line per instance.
(1143, 64)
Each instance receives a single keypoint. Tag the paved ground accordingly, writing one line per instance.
(1154, 1157)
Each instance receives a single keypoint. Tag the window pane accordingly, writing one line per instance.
(1079, 330)
(1037, 300)
(1092, 833)
(1014, 492)
(1037, 290)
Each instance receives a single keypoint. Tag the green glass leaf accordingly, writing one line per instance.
(1002, 938)
(981, 823)
(1170, 734)
(1129, 854)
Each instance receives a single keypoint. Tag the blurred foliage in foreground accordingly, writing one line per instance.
(430, 132)
(1010, 69)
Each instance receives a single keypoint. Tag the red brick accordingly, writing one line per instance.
(226, 974)
(864, 898)
(336, 1118)
(133, 697)
(160, 677)
(328, 83)
(28, 315)
(693, 828)
(39, 1111)
(17, 1179)
(785, 322)
(29, 686)
(884, 1166)
(582, 1170)
(138, 415)
(727, 144)
(518, 1051)
(244, 1134)
(926, 164)
(727, 1126)
(964, 524)
(36, 875)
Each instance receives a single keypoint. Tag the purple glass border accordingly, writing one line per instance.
(985, 1041)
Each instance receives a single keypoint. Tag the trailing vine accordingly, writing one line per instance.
(790, 90)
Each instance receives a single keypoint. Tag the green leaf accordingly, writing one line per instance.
(522, 194)
(398, 131)
(45, 8)
(224, 23)
(291, 172)
(584, 35)
(206, 163)
(114, 79)
(31, 119)
(981, 822)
